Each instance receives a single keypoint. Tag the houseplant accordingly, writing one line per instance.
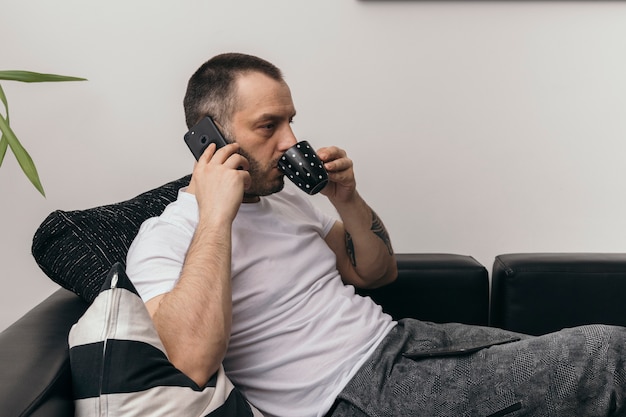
(8, 139)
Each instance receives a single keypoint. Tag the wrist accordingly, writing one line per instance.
(347, 202)
(344, 197)
(214, 218)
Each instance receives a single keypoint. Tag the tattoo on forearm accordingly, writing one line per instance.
(350, 249)
(379, 230)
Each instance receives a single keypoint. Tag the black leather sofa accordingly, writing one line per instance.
(36, 379)
(531, 293)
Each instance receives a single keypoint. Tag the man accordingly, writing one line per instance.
(242, 272)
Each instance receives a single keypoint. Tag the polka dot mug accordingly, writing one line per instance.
(304, 168)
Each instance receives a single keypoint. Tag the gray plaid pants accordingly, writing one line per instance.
(432, 370)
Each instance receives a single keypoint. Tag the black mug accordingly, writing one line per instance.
(304, 168)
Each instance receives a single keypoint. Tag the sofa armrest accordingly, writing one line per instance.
(437, 287)
(35, 379)
(538, 293)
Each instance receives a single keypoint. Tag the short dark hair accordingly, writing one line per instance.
(211, 89)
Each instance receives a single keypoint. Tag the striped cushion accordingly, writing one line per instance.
(120, 368)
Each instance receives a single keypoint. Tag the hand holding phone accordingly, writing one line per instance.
(199, 137)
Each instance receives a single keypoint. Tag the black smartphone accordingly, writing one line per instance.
(202, 135)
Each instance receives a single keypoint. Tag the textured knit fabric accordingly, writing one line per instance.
(298, 333)
(575, 372)
(77, 248)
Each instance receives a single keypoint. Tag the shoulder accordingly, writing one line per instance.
(182, 214)
(157, 253)
(173, 228)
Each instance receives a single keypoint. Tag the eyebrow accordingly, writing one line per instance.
(273, 116)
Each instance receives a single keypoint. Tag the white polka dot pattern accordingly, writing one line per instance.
(304, 168)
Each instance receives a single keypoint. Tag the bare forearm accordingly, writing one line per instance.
(367, 243)
(194, 319)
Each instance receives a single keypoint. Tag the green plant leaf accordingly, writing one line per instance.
(3, 98)
(8, 137)
(23, 158)
(4, 143)
(35, 77)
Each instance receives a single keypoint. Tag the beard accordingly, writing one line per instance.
(262, 181)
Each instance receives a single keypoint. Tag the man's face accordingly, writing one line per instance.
(261, 125)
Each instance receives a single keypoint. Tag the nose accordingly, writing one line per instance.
(288, 139)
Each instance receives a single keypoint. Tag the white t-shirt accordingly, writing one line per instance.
(298, 334)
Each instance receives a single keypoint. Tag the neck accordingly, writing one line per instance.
(249, 198)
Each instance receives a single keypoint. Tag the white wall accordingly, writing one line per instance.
(476, 127)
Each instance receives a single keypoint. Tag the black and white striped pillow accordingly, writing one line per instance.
(119, 365)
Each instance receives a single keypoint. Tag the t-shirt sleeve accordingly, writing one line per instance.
(327, 223)
(155, 258)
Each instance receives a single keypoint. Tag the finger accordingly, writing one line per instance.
(247, 179)
(341, 177)
(225, 152)
(237, 161)
(328, 153)
(338, 165)
(208, 153)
